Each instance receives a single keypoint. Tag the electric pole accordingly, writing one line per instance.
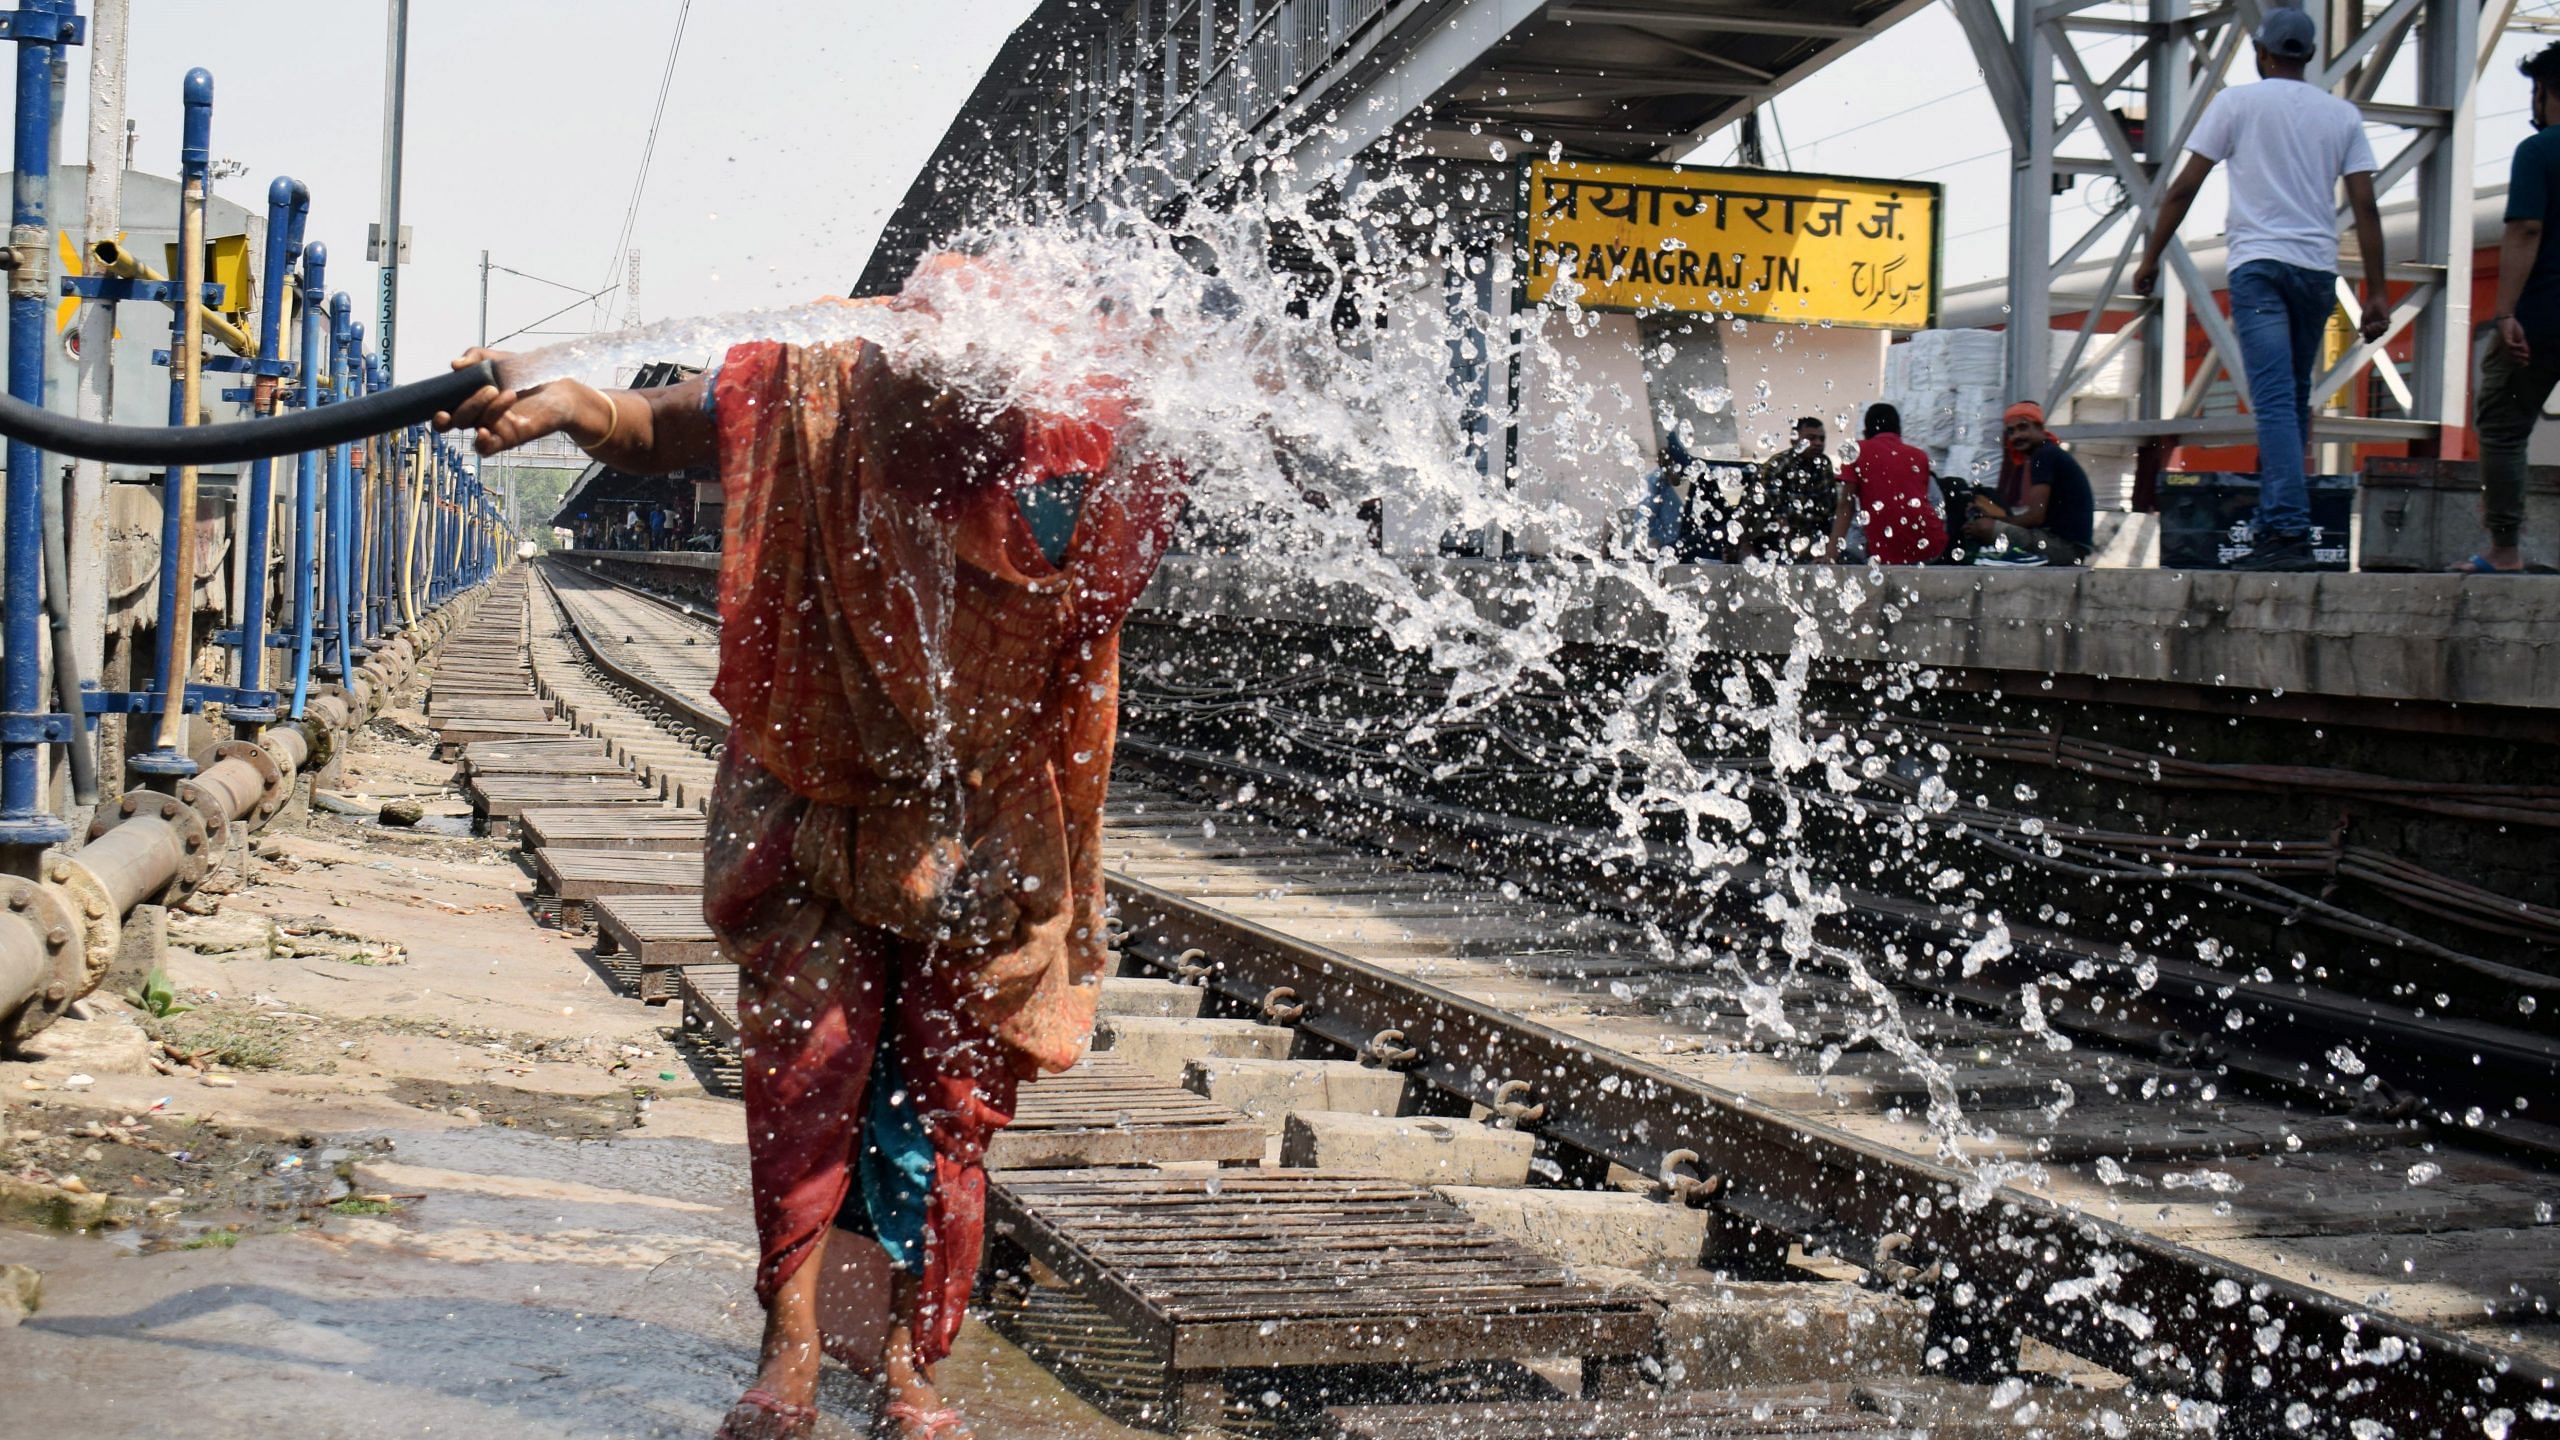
(506, 473)
(395, 87)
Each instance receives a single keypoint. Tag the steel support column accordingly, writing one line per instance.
(2030, 331)
(2081, 91)
(2449, 41)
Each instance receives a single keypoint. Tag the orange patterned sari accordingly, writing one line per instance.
(906, 830)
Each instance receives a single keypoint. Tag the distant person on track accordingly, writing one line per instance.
(1887, 490)
(2289, 144)
(905, 843)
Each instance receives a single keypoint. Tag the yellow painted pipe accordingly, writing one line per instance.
(190, 371)
(409, 551)
(114, 259)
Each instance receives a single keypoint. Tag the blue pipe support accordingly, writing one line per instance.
(306, 484)
(26, 827)
(446, 550)
(359, 552)
(169, 668)
(333, 565)
(288, 207)
(369, 573)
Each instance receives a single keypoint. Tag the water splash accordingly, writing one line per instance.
(1297, 396)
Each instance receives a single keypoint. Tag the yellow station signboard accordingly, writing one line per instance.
(1761, 243)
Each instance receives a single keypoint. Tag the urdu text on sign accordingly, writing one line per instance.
(1760, 243)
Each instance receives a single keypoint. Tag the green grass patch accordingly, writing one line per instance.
(213, 1240)
(243, 1042)
(359, 1205)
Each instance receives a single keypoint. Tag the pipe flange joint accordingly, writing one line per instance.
(193, 850)
(101, 926)
(30, 263)
(56, 933)
(276, 787)
(209, 807)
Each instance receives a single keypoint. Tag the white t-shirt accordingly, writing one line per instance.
(2287, 143)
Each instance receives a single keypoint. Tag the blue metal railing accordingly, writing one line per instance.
(25, 726)
(369, 544)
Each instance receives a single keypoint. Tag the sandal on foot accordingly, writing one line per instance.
(2479, 565)
(902, 1421)
(762, 1415)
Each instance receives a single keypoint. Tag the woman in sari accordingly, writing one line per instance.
(905, 831)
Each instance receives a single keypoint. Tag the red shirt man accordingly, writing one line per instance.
(1887, 488)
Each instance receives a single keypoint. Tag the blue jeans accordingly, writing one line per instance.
(1661, 511)
(2280, 312)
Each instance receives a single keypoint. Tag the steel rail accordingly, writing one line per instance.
(2286, 1034)
(694, 711)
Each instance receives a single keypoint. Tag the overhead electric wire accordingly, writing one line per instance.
(527, 328)
(648, 152)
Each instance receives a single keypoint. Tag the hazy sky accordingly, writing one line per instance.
(792, 129)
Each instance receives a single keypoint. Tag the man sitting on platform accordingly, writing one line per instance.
(2042, 513)
(1887, 490)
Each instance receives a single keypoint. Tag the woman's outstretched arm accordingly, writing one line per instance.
(645, 432)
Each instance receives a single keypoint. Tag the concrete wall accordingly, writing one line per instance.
(1590, 467)
(2427, 638)
(1626, 374)
(1833, 373)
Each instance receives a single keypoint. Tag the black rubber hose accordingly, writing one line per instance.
(162, 446)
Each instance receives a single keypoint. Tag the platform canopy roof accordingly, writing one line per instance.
(602, 485)
(1327, 79)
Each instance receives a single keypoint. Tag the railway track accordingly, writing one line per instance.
(2284, 1259)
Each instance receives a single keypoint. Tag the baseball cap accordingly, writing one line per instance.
(2288, 34)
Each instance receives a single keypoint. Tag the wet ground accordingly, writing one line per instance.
(402, 1166)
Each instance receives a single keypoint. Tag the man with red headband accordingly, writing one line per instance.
(905, 848)
(2042, 514)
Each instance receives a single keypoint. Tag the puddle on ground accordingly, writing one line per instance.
(165, 1182)
(563, 1117)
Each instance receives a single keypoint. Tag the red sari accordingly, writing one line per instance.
(906, 827)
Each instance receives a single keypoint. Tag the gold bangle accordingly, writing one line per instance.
(612, 407)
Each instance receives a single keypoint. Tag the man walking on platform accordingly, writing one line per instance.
(2522, 364)
(2289, 144)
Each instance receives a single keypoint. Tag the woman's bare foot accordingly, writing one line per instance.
(912, 1408)
(760, 1415)
(783, 1403)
